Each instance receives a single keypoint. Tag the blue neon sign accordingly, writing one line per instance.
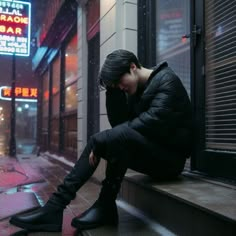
(15, 27)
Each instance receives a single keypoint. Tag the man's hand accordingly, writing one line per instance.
(93, 160)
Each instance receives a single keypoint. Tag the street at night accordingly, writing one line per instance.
(117, 118)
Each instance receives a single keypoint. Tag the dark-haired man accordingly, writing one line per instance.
(150, 114)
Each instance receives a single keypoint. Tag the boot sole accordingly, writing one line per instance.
(91, 226)
(42, 228)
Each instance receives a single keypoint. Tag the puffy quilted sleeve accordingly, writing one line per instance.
(167, 103)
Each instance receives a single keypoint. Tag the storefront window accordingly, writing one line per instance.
(71, 54)
(71, 74)
(56, 104)
(71, 97)
(56, 86)
(45, 99)
(26, 120)
(173, 21)
(45, 109)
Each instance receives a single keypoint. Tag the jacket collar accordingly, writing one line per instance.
(158, 68)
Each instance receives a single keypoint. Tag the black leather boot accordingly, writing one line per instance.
(50, 217)
(98, 215)
(103, 211)
(46, 219)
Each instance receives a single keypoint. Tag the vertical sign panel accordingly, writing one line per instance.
(15, 24)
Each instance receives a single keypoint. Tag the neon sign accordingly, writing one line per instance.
(15, 23)
(21, 94)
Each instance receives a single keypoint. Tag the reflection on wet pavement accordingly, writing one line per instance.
(53, 174)
(13, 174)
(3, 145)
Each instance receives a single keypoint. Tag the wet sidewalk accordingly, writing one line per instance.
(28, 181)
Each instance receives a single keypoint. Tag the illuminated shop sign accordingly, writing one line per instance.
(21, 94)
(15, 27)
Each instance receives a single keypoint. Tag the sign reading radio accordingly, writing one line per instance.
(21, 93)
(15, 27)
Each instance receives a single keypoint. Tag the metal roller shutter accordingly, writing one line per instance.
(220, 71)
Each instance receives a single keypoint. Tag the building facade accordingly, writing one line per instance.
(195, 37)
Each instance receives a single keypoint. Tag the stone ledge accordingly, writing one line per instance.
(216, 198)
(186, 206)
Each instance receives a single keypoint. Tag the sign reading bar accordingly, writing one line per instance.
(15, 26)
(21, 93)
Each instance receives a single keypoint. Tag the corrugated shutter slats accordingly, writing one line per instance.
(220, 94)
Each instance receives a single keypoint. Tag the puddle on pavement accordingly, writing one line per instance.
(11, 190)
(23, 188)
(28, 188)
(25, 158)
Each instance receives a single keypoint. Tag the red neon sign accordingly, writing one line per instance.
(15, 27)
(20, 92)
(14, 19)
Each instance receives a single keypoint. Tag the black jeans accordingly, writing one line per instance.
(123, 148)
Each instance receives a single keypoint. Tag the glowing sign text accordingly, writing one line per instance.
(15, 27)
(21, 93)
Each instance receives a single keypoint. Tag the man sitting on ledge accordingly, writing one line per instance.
(150, 114)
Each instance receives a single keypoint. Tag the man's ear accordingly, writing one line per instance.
(133, 66)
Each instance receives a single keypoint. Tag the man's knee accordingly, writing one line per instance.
(99, 142)
(121, 132)
(115, 139)
(99, 137)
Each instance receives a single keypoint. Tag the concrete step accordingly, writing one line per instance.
(189, 205)
(130, 223)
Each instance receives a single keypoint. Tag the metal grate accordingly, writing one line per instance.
(220, 39)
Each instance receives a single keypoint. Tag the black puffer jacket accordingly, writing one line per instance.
(161, 112)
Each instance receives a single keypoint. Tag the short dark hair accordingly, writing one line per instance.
(116, 65)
